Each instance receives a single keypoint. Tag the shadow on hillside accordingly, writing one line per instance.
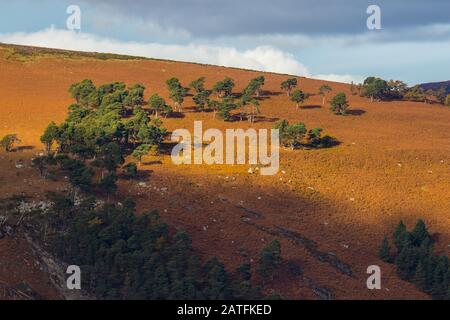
(311, 107)
(240, 117)
(356, 112)
(271, 93)
(23, 148)
(177, 115)
(149, 163)
(142, 175)
(266, 119)
(166, 148)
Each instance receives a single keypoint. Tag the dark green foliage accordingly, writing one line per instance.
(407, 261)
(223, 108)
(99, 137)
(224, 88)
(385, 251)
(401, 236)
(244, 272)
(108, 184)
(291, 135)
(269, 259)
(80, 175)
(296, 135)
(339, 104)
(420, 233)
(375, 88)
(157, 104)
(135, 96)
(250, 107)
(141, 151)
(288, 85)
(299, 97)
(420, 278)
(254, 87)
(128, 256)
(82, 92)
(416, 261)
(151, 135)
(201, 99)
(131, 170)
(49, 136)
(198, 85)
(324, 89)
(110, 157)
(177, 92)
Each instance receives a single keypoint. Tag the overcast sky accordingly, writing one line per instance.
(317, 38)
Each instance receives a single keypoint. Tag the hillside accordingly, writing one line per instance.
(393, 163)
(436, 86)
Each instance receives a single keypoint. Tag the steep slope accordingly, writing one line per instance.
(329, 208)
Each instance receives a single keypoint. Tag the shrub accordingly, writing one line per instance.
(299, 97)
(375, 88)
(8, 141)
(131, 170)
(339, 104)
(269, 259)
(288, 85)
(447, 101)
(224, 88)
(384, 253)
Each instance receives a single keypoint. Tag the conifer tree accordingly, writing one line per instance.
(270, 259)
(420, 233)
(384, 252)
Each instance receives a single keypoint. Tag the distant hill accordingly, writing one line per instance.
(436, 86)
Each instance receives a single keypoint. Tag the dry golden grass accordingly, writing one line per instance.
(393, 164)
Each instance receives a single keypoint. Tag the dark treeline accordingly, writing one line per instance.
(127, 256)
(379, 89)
(416, 260)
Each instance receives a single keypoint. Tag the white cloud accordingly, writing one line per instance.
(346, 78)
(261, 58)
